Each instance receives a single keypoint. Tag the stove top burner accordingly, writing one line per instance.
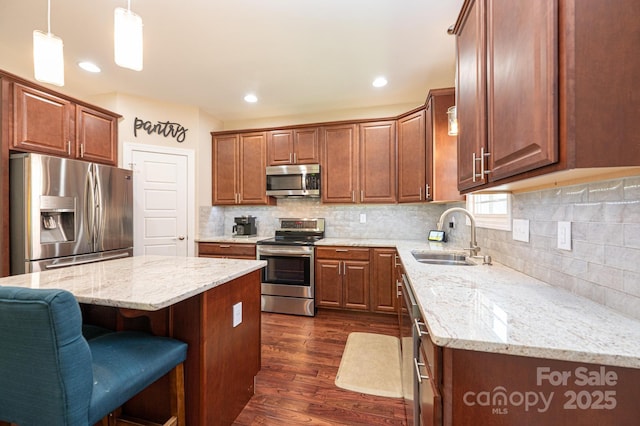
(297, 232)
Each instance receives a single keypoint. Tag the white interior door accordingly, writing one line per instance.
(160, 204)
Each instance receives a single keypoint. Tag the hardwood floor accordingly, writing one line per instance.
(300, 359)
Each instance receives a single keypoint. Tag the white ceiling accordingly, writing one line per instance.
(298, 56)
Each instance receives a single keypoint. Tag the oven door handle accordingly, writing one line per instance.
(288, 251)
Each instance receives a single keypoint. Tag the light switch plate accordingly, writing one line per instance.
(564, 236)
(363, 218)
(520, 230)
(237, 314)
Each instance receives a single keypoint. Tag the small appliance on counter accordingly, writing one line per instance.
(245, 226)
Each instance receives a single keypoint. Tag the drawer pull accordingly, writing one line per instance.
(417, 366)
(224, 246)
(342, 250)
(419, 330)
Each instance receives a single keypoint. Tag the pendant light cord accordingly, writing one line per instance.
(49, 17)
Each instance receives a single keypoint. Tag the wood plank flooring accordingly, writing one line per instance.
(300, 359)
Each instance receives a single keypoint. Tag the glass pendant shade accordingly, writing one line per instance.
(452, 128)
(48, 58)
(128, 39)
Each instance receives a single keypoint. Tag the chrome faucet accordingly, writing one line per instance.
(473, 245)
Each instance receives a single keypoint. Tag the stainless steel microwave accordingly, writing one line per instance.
(294, 181)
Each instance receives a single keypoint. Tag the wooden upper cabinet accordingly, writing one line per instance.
(412, 158)
(42, 122)
(49, 124)
(238, 168)
(522, 85)
(378, 162)
(252, 170)
(96, 136)
(225, 164)
(293, 146)
(471, 92)
(339, 152)
(520, 107)
(441, 147)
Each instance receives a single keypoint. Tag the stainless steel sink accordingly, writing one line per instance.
(443, 258)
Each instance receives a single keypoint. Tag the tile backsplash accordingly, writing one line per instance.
(604, 262)
(603, 265)
(387, 221)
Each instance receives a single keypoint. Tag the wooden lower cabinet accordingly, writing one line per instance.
(343, 278)
(497, 389)
(356, 279)
(229, 250)
(384, 294)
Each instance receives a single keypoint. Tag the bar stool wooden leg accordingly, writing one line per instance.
(176, 378)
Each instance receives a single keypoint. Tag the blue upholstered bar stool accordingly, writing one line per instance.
(51, 375)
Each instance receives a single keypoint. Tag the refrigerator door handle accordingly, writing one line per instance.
(89, 208)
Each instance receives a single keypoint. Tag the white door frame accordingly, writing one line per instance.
(127, 156)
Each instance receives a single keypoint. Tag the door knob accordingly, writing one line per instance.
(181, 237)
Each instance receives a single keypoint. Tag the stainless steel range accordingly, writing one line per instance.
(288, 281)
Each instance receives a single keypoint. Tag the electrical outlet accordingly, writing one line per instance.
(564, 236)
(237, 314)
(520, 230)
(363, 218)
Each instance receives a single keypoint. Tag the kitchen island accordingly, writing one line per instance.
(211, 304)
(497, 339)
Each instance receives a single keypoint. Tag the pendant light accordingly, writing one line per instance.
(452, 128)
(128, 38)
(48, 57)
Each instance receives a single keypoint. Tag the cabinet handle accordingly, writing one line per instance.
(224, 246)
(81, 150)
(361, 195)
(398, 289)
(396, 259)
(353, 196)
(420, 196)
(427, 195)
(69, 148)
(295, 158)
(483, 169)
(342, 250)
(290, 158)
(475, 159)
(417, 366)
(417, 325)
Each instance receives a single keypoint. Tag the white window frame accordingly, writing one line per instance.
(492, 221)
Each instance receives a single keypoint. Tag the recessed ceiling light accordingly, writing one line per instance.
(89, 66)
(379, 82)
(251, 98)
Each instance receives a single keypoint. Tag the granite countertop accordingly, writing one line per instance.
(493, 308)
(231, 239)
(142, 282)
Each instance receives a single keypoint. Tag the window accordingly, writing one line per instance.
(491, 210)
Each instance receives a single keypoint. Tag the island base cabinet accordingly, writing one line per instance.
(495, 389)
(222, 360)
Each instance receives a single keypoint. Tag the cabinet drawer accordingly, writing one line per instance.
(344, 253)
(429, 394)
(227, 249)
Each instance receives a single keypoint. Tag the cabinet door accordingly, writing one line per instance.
(329, 283)
(41, 122)
(339, 150)
(523, 102)
(412, 157)
(96, 136)
(305, 146)
(253, 163)
(378, 162)
(441, 146)
(280, 147)
(225, 163)
(356, 285)
(471, 95)
(384, 296)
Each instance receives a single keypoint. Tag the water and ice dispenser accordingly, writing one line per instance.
(57, 219)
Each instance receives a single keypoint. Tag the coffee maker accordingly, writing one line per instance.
(245, 226)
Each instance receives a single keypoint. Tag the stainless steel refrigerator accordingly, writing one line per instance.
(65, 212)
